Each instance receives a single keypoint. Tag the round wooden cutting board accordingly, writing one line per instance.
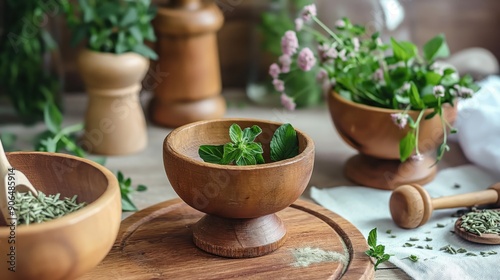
(156, 243)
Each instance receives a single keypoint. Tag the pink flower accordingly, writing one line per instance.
(327, 85)
(400, 119)
(279, 85)
(322, 75)
(355, 43)
(306, 59)
(378, 75)
(308, 12)
(462, 92)
(289, 43)
(287, 102)
(343, 54)
(327, 52)
(340, 24)
(274, 70)
(285, 61)
(299, 23)
(379, 42)
(438, 91)
(417, 157)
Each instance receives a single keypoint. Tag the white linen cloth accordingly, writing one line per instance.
(368, 208)
(478, 124)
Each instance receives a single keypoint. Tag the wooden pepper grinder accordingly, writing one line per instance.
(188, 87)
(411, 206)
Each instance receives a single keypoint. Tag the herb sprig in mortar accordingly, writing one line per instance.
(243, 150)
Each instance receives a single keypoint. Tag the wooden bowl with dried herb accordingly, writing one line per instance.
(241, 193)
(61, 247)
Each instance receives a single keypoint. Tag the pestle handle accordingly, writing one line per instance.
(489, 196)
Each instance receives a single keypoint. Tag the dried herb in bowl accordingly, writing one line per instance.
(37, 209)
(482, 222)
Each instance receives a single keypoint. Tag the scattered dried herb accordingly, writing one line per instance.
(414, 239)
(389, 231)
(36, 209)
(428, 247)
(440, 225)
(428, 239)
(413, 258)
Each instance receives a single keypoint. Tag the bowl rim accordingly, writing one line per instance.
(309, 147)
(335, 95)
(74, 217)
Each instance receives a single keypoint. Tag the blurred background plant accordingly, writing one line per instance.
(112, 26)
(30, 66)
(278, 18)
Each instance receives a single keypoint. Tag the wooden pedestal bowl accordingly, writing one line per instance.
(240, 201)
(66, 247)
(371, 131)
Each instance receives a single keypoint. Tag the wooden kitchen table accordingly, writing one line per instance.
(146, 167)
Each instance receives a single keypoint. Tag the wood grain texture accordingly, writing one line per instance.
(371, 131)
(411, 205)
(237, 196)
(156, 243)
(188, 58)
(388, 174)
(66, 247)
(114, 120)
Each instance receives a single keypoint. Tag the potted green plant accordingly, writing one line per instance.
(388, 101)
(113, 63)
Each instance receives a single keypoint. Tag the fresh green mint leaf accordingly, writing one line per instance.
(250, 133)
(372, 238)
(284, 143)
(415, 100)
(142, 188)
(235, 133)
(436, 48)
(212, 154)
(246, 159)
(403, 50)
(376, 251)
(432, 78)
(406, 146)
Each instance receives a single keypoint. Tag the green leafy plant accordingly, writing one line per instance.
(126, 190)
(273, 24)
(58, 139)
(362, 68)
(376, 251)
(113, 26)
(242, 150)
(26, 46)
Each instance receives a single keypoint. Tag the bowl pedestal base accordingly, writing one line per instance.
(389, 174)
(239, 238)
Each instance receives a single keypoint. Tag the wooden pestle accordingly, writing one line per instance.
(411, 206)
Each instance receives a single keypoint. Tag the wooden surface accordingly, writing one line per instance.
(156, 243)
(147, 168)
